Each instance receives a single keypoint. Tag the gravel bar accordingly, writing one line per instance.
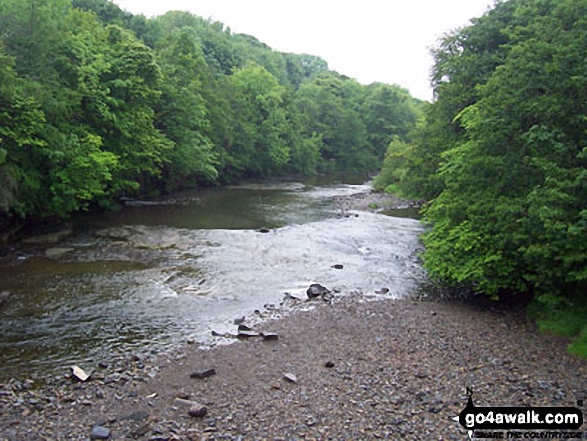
(346, 370)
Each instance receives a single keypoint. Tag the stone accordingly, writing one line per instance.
(338, 266)
(56, 252)
(327, 297)
(382, 291)
(248, 334)
(316, 290)
(204, 373)
(269, 336)
(239, 321)
(329, 364)
(290, 378)
(264, 230)
(288, 297)
(195, 409)
(100, 432)
(79, 373)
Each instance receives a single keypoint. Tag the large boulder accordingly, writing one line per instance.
(316, 290)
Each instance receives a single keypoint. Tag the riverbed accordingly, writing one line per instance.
(161, 273)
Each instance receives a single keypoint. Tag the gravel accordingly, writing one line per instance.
(389, 369)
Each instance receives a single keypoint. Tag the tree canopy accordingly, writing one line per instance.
(502, 154)
(97, 103)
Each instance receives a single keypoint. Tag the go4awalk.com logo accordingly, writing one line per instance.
(520, 422)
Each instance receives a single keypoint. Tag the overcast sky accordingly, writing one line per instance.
(370, 40)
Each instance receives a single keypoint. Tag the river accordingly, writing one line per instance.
(152, 277)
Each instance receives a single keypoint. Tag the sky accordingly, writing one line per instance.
(385, 41)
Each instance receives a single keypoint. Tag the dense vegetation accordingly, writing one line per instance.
(96, 104)
(502, 156)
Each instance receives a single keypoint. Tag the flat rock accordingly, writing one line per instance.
(248, 334)
(56, 252)
(79, 373)
(269, 336)
(100, 432)
(204, 373)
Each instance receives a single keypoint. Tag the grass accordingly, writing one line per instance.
(565, 320)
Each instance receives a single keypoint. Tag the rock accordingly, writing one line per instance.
(316, 290)
(288, 297)
(195, 409)
(225, 334)
(337, 266)
(56, 252)
(263, 230)
(329, 364)
(239, 321)
(327, 297)
(248, 334)
(205, 373)
(245, 332)
(100, 432)
(290, 378)
(382, 291)
(269, 336)
(79, 373)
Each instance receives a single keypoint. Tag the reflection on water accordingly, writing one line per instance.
(152, 276)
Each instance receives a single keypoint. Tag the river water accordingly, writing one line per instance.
(151, 277)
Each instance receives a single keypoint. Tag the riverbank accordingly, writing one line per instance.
(363, 370)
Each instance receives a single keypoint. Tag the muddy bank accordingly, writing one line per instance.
(361, 370)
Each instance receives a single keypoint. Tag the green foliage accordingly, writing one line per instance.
(502, 153)
(96, 103)
(565, 319)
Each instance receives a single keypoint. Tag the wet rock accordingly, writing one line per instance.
(382, 291)
(56, 252)
(248, 334)
(205, 373)
(329, 364)
(338, 266)
(287, 297)
(316, 290)
(223, 334)
(327, 297)
(100, 432)
(267, 336)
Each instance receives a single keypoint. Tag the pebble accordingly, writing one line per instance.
(290, 378)
(100, 432)
(205, 373)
